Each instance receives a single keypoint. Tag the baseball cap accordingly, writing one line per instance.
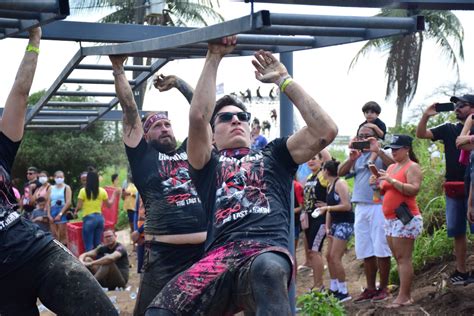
(469, 98)
(399, 141)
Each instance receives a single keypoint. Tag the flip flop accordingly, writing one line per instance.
(398, 305)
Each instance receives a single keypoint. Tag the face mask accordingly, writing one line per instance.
(43, 180)
(59, 180)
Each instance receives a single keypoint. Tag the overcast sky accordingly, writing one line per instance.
(322, 72)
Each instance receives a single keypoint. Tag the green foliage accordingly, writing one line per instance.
(317, 303)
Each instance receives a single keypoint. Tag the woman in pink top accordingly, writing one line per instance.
(403, 222)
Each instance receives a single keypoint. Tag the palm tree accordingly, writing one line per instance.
(404, 52)
(163, 12)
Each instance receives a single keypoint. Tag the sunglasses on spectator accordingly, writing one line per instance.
(30, 173)
(225, 117)
(460, 105)
(365, 135)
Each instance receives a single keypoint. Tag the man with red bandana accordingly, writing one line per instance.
(246, 194)
(175, 223)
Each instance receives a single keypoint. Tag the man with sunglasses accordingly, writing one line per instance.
(456, 200)
(29, 190)
(370, 242)
(32, 265)
(175, 223)
(247, 196)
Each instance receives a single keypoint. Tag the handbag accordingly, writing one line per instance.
(454, 189)
(403, 213)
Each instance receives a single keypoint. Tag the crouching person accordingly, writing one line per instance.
(108, 262)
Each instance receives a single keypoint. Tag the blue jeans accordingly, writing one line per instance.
(92, 229)
(456, 210)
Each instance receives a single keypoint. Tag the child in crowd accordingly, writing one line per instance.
(39, 215)
(371, 112)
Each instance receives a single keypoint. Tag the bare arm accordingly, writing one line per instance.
(421, 129)
(106, 259)
(89, 254)
(414, 178)
(165, 83)
(132, 127)
(320, 130)
(110, 201)
(13, 120)
(464, 140)
(346, 166)
(387, 160)
(203, 103)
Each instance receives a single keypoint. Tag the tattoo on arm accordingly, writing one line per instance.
(130, 119)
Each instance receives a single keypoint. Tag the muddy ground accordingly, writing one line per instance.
(432, 292)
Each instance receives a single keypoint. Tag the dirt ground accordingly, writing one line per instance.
(432, 292)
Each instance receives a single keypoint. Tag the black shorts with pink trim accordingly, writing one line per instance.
(219, 283)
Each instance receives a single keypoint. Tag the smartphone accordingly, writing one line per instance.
(374, 170)
(361, 145)
(444, 107)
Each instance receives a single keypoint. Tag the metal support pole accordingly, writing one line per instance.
(286, 129)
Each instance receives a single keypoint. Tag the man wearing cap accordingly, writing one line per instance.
(247, 196)
(29, 190)
(175, 223)
(456, 201)
(370, 241)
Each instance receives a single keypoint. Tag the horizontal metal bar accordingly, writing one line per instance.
(84, 94)
(103, 32)
(276, 40)
(205, 34)
(94, 81)
(10, 23)
(408, 23)
(400, 4)
(29, 5)
(56, 121)
(44, 112)
(44, 127)
(76, 104)
(109, 67)
(13, 14)
(313, 31)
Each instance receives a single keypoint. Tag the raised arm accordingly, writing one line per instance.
(465, 140)
(320, 130)
(203, 103)
(132, 127)
(13, 120)
(421, 130)
(164, 83)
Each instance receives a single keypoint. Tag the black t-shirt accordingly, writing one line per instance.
(314, 191)
(122, 263)
(338, 216)
(380, 124)
(447, 133)
(171, 201)
(20, 239)
(248, 198)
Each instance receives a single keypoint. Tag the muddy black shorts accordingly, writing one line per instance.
(162, 262)
(218, 284)
(59, 280)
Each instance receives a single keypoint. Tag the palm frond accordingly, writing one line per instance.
(380, 44)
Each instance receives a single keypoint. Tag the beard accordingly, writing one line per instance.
(166, 145)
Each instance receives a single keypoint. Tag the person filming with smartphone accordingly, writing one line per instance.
(455, 177)
(370, 242)
(403, 222)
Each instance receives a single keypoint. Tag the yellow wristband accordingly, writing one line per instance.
(33, 49)
(285, 84)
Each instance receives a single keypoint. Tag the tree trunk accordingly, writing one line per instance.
(398, 121)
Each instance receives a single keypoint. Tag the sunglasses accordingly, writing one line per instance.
(460, 105)
(225, 117)
(30, 173)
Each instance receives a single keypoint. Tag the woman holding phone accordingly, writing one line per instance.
(403, 222)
